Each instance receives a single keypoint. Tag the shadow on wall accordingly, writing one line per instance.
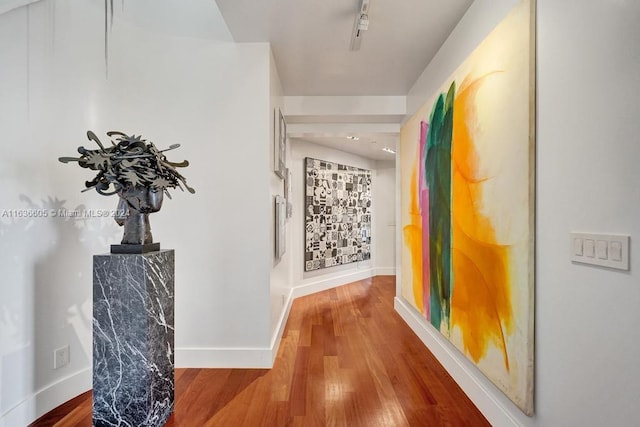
(45, 291)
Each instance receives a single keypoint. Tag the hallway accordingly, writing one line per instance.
(346, 359)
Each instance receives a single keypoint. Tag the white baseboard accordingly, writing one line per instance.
(324, 284)
(47, 399)
(264, 357)
(223, 357)
(282, 322)
(384, 271)
(487, 397)
(235, 357)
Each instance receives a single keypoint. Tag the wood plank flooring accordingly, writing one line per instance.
(346, 359)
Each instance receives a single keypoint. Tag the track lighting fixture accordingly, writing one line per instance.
(360, 25)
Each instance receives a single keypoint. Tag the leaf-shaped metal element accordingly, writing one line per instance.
(68, 159)
(182, 164)
(95, 160)
(129, 162)
(161, 183)
(132, 177)
(92, 137)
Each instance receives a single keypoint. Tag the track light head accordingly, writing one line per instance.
(360, 25)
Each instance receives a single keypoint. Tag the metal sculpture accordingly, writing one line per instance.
(138, 173)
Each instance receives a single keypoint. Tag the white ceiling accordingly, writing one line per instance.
(369, 145)
(310, 43)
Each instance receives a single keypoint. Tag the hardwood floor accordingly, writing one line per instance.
(346, 359)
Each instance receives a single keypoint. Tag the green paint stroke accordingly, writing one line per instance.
(438, 176)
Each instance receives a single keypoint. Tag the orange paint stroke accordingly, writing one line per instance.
(465, 123)
(481, 303)
(413, 241)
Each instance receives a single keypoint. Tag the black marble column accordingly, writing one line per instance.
(133, 341)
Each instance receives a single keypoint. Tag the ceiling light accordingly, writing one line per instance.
(388, 150)
(360, 25)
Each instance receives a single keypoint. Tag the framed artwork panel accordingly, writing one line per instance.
(280, 226)
(337, 214)
(280, 144)
(467, 171)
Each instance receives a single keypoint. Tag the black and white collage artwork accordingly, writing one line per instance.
(338, 214)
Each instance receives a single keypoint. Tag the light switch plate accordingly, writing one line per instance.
(601, 249)
(589, 248)
(606, 250)
(577, 246)
(615, 251)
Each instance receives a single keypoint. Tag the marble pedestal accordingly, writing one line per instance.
(133, 341)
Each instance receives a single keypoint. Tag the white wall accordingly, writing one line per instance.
(384, 194)
(209, 94)
(309, 282)
(481, 17)
(587, 350)
(281, 271)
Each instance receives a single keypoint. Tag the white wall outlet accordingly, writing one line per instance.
(61, 357)
(606, 250)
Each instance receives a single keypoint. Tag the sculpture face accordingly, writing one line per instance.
(134, 208)
(144, 200)
(139, 173)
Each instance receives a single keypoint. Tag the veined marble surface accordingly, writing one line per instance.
(133, 339)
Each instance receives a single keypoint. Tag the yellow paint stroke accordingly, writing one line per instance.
(481, 303)
(413, 239)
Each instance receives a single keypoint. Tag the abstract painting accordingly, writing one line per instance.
(467, 207)
(337, 214)
(280, 143)
(281, 226)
